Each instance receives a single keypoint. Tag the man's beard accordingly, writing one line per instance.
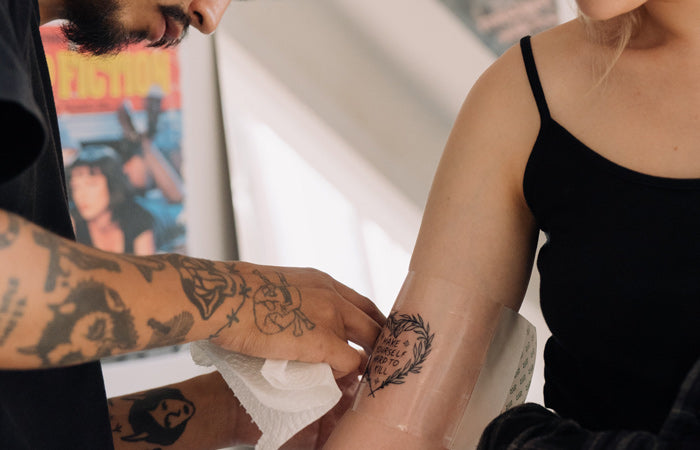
(93, 26)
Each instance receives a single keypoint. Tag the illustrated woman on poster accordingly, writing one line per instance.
(104, 212)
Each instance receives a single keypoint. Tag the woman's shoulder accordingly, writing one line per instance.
(562, 50)
(556, 52)
(563, 64)
(500, 118)
(566, 60)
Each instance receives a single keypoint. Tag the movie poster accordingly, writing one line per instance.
(120, 123)
(501, 23)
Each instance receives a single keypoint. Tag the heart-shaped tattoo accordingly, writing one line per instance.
(402, 347)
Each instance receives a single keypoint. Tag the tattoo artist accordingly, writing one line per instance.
(63, 306)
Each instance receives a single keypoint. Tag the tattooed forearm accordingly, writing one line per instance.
(277, 306)
(145, 265)
(90, 323)
(9, 229)
(207, 287)
(159, 416)
(171, 332)
(61, 251)
(11, 309)
(401, 349)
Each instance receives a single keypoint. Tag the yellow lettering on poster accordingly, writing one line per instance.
(128, 74)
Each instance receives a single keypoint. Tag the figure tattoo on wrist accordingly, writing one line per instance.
(402, 348)
(159, 416)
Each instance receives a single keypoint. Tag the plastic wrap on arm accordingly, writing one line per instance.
(430, 363)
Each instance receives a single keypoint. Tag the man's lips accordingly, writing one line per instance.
(173, 29)
(157, 33)
(168, 30)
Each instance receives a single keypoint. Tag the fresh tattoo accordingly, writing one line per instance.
(171, 332)
(159, 416)
(11, 309)
(61, 251)
(402, 348)
(208, 287)
(91, 323)
(146, 265)
(277, 306)
(9, 229)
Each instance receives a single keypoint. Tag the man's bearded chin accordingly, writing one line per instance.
(93, 27)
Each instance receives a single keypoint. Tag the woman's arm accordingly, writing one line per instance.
(473, 256)
(63, 303)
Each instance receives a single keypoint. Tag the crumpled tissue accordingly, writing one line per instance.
(282, 397)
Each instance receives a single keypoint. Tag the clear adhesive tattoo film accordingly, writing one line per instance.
(441, 354)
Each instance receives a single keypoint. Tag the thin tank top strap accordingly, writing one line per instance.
(534, 78)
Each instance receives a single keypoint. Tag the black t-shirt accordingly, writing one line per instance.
(39, 409)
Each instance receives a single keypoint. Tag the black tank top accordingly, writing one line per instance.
(620, 279)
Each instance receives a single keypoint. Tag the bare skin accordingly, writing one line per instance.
(72, 304)
(126, 303)
(478, 230)
(214, 418)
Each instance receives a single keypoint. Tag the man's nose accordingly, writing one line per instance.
(206, 14)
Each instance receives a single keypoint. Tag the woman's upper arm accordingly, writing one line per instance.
(477, 229)
(479, 235)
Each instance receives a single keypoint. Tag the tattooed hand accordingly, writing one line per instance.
(282, 313)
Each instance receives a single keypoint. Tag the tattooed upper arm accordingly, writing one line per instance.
(12, 309)
(9, 229)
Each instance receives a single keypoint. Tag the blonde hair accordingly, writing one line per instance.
(615, 34)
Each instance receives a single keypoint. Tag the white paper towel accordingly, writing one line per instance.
(282, 397)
